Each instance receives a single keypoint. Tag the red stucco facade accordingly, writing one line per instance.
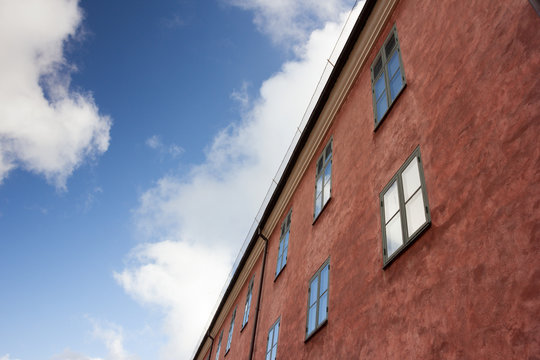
(469, 286)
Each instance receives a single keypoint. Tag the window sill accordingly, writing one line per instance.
(316, 330)
(405, 246)
(390, 107)
(322, 210)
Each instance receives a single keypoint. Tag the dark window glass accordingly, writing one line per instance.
(387, 76)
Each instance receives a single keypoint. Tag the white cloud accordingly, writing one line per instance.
(155, 143)
(112, 337)
(7, 357)
(67, 354)
(195, 224)
(290, 22)
(45, 127)
(169, 274)
(242, 96)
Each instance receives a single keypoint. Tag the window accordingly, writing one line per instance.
(219, 345)
(318, 299)
(323, 179)
(404, 207)
(248, 302)
(230, 332)
(283, 243)
(387, 76)
(271, 347)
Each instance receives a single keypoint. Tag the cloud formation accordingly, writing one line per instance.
(291, 22)
(45, 127)
(155, 143)
(67, 354)
(7, 357)
(169, 274)
(194, 225)
(112, 337)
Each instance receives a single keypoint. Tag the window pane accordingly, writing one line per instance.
(284, 258)
(377, 68)
(382, 106)
(322, 307)
(394, 238)
(324, 280)
(379, 86)
(276, 333)
(311, 318)
(268, 354)
(313, 291)
(395, 85)
(327, 181)
(278, 266)
(328, 173)
(318, 187)
(391, 202)
(411, 179)
(393, 65)
(328, 152)
(269, 344)
(416, 216)
(326, 195)
(318, 205)
(390, 45)
(274, 352)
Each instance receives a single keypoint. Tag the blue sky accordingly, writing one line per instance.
(137, 142)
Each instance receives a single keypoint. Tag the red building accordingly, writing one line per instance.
(406, 224)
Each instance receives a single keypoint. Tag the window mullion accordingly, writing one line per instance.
(386, 81)
(330, 185)
(401, 196)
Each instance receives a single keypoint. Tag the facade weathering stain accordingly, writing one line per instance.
(468, 287)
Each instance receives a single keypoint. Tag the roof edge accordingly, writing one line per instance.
(317, 110)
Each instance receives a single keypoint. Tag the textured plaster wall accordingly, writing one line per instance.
(469, 287)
